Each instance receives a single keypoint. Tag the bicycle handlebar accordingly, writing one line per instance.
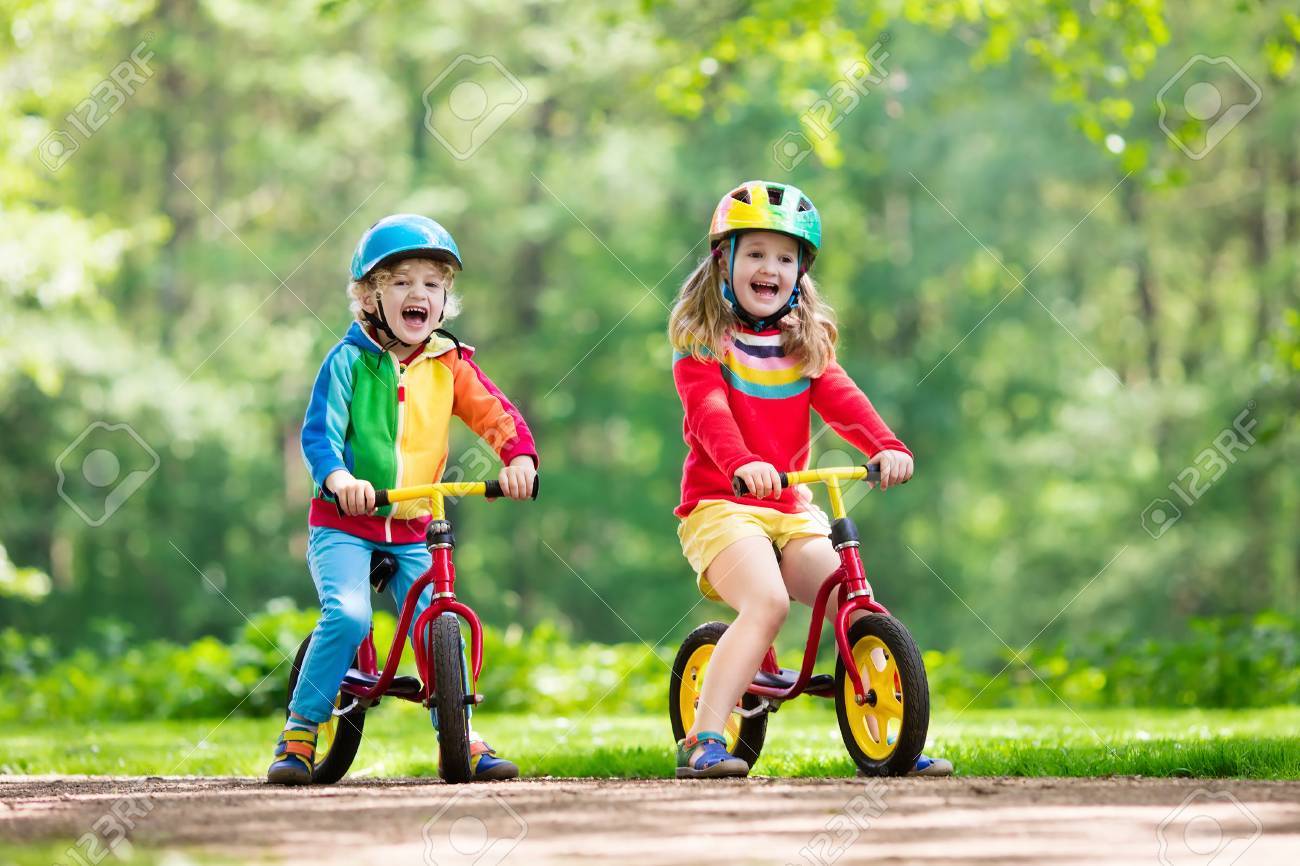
(869, 472)
(487, 489)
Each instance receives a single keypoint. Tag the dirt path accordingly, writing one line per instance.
(782, 821)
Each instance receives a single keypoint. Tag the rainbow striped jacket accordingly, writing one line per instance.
(388, 422)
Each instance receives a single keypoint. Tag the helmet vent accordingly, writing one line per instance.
(804, 205)
(774, 195)
(741, 194)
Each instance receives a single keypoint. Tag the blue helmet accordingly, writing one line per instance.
(403, 235)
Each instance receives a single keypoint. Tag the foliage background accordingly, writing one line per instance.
(1054, 307)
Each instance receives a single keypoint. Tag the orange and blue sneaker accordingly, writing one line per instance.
(705, 756)
(295, 753)
(486, 766)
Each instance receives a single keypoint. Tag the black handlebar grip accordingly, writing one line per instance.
(381, 498)
(873, 473)
(740, 488)
(492, 489)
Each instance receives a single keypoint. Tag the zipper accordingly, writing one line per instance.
(397, 438)
(397, 444)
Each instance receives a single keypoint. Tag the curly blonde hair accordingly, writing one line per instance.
(378, 280)
(701, 318)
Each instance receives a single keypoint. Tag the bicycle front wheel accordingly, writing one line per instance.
(449, 699)
(885, 735)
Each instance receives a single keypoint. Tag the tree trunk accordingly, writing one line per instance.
(177, 201)
(1145, 280)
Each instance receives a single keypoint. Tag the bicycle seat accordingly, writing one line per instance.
(787, 678)
(383, 566)
(399, 685)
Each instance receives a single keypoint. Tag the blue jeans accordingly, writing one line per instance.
(340, 568)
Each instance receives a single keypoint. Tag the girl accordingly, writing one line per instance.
(754, 350)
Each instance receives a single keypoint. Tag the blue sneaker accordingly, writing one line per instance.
(705, 756)
(931, 767)
(486, 766)
(295, 754)
(926, 767)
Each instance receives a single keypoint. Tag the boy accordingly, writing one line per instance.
(379, 416)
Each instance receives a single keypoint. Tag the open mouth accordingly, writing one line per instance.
(415, 316)
(766, 291)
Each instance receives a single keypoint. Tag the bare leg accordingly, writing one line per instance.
(805, 565)
(746, 576)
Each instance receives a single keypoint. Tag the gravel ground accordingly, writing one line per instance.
(759, 820)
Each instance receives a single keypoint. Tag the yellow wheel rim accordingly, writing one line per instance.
(325, 733)
(689, 696)
(875, 728)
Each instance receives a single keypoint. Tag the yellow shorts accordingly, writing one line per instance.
(716, 524)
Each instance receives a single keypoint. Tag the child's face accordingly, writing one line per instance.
(765, 270)
(413, 299)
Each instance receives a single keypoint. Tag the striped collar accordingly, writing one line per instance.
(755, 363)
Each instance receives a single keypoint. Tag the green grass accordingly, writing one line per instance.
(803, 740)
(66, 851)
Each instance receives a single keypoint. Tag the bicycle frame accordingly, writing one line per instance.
(441, 574)
(855, 593)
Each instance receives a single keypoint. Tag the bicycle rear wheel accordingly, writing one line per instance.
(744, 736)
(338, 738)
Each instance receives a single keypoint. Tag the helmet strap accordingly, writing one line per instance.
(379, 322)
(746, 317)
(460, 352)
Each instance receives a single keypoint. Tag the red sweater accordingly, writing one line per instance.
(753, 405)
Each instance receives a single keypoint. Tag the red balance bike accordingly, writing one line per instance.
(880, 690)
(439, 658)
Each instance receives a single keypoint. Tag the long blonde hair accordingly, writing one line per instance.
(701, 318)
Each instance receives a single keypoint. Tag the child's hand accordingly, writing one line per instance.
(517, 478)
(895, 467)
(762, 479)
(354, 495)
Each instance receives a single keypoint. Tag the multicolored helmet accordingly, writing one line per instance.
(768, 206)
(760, 205)
(403, 235)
